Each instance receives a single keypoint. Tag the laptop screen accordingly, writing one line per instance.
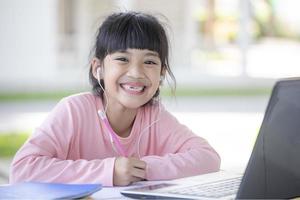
(273, 170)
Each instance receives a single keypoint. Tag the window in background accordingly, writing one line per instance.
(258, 38)
(65, 22)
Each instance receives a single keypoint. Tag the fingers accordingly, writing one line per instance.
(138, 163)
(140, 173)
(128, 170)
(134, 179)
(138, 169)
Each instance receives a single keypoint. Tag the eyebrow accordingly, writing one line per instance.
(151, 53)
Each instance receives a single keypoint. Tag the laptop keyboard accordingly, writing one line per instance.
(216, 189)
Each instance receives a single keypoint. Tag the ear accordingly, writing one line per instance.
(162, 75)
(95, 63)
(163, 71)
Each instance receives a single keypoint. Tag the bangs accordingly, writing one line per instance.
(134, 32)
(135, 37)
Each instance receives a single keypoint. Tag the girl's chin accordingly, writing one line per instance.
(133, 104)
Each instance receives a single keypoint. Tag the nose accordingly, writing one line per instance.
(136, 70)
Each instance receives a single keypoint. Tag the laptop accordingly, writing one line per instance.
(273, 170)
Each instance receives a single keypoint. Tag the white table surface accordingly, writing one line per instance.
(114, 192)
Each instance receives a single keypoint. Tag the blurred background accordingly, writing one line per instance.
(225, 54)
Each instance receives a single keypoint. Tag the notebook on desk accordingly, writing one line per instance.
(273, 170)
(38, 190)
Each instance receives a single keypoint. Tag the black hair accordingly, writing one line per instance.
(135, 30)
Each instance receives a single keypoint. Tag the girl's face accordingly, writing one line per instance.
(131, 77)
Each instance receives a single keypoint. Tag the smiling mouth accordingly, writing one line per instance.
(131, 89)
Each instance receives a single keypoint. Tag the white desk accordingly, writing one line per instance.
(114, 192)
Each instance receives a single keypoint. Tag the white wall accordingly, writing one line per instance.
(27, 43)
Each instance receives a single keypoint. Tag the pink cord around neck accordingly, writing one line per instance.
(113, 134)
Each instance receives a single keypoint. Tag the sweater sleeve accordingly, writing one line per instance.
(44, 156)
(181, 153)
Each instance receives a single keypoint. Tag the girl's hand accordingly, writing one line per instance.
(128, 170)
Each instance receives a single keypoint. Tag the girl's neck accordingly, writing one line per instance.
(121, 119)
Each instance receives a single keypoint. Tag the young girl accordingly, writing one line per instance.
(120, 133)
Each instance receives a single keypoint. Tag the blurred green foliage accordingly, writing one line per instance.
(38, 96)
(10, 142)
(180, 92)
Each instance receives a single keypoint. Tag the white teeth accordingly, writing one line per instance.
(133, 88)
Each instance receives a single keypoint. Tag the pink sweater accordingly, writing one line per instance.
(72, 146)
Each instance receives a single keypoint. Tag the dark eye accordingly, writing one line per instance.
(122, 59)
(150, 62)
